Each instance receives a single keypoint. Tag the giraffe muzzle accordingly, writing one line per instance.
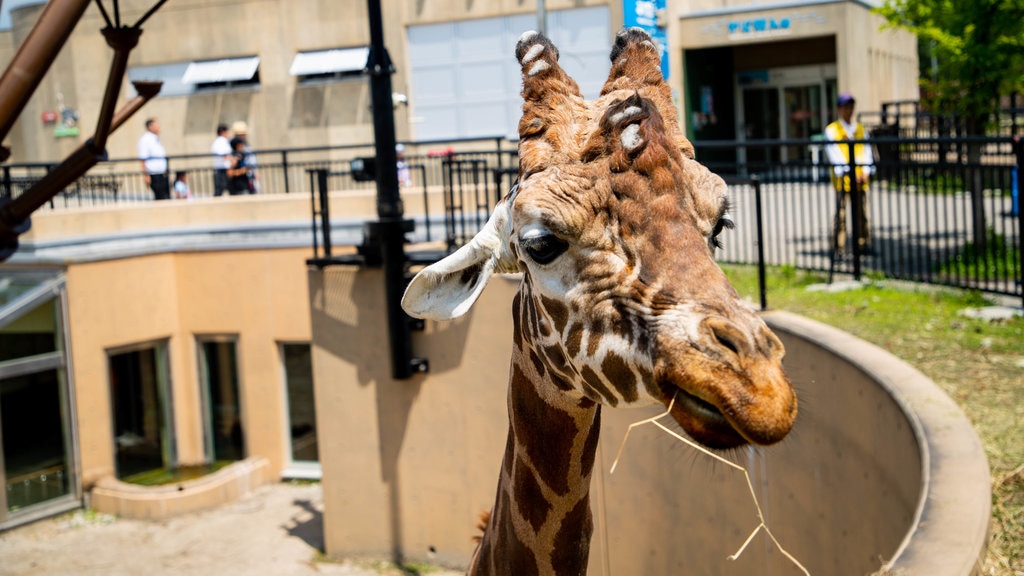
(731, 390)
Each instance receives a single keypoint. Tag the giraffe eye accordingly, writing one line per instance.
(545, 248)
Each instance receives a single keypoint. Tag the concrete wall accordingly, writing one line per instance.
(257, 295)
(275, 30)
(408, 465)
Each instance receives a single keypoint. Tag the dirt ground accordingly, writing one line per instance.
(277, 530)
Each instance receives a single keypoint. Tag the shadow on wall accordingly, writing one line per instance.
(348, 315)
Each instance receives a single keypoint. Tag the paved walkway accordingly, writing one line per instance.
(276, 531)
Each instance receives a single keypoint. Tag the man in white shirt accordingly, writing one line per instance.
(838, 133)
(221, 150)
(154, 160)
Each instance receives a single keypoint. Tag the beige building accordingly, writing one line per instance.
(290, 69)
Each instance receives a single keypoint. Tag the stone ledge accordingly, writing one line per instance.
(229, 484)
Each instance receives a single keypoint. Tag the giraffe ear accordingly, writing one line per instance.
(448, 288)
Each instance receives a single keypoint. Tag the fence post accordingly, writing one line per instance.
(857, 211)
(284, 168)
(1019, 149)
(762, 287)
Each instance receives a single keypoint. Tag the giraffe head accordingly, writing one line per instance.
(613, 225)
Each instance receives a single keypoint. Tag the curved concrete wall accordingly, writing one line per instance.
(952, 500)
(865, 477)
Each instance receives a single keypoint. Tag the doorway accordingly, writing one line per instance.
(794, 103)
(143, 442)
(224, 435)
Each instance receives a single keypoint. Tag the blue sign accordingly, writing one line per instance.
(756, 25)
(645, 14)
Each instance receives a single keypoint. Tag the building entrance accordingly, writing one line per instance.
(784, 103)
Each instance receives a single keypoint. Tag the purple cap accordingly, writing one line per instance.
(844, 99)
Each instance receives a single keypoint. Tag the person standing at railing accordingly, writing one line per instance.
(404, 176)
(239, 174)
(241, 132)
(839, 133)
(221, 149)
(154, 161)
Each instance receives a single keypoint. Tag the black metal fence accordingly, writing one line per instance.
(950, 223)
(939, 210)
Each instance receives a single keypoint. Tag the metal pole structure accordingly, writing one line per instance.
(390, 228)
(857, 210)
(33, 59)
(1018, 145)
(762, 284)
(542, 17)
(14, 214)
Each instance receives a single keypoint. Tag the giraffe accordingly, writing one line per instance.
(613, 226)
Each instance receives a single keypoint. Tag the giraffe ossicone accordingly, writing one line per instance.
(612, 225)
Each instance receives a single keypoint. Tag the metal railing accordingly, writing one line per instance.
(934, 216)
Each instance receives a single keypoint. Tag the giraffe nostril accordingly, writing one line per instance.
(729, 337)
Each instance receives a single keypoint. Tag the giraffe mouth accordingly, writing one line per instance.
(702, 420)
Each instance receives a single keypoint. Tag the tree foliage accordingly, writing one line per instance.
(978, 49)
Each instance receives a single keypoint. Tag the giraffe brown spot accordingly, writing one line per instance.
(590, 446)
(529, 497)
(556, 362)
(594, 336)
(510, 451)
(572, 543)
(574, 340)
(621, 376)
(557, 311)
(538, 364)
(517, 328)
(593, 381)
(543, 431)
(512, 556)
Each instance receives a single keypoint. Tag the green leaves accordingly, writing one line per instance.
(971, 52)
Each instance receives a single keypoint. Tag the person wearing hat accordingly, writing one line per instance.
(241, 132)
(239, 173)
(843, 130)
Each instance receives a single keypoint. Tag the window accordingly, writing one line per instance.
(184, 78)
(223, 73)
(298, 377)
(36, 438)
(334, 64)
(143, 441)
(465, 82)
(222, 413)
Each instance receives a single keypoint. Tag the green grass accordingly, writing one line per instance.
(162, 476)
(998, 259)
(978, 363)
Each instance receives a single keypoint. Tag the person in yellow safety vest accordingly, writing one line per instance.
(843, 129)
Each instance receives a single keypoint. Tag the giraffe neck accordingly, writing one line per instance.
(541, 521)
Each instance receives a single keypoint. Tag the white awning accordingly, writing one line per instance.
(329, 61)
(226, 70)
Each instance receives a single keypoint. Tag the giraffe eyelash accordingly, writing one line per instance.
(724, 221)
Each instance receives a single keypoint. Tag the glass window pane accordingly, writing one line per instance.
(140, 417)
(35, 450)
(298, 368)
(225, 438)
(31, 334)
